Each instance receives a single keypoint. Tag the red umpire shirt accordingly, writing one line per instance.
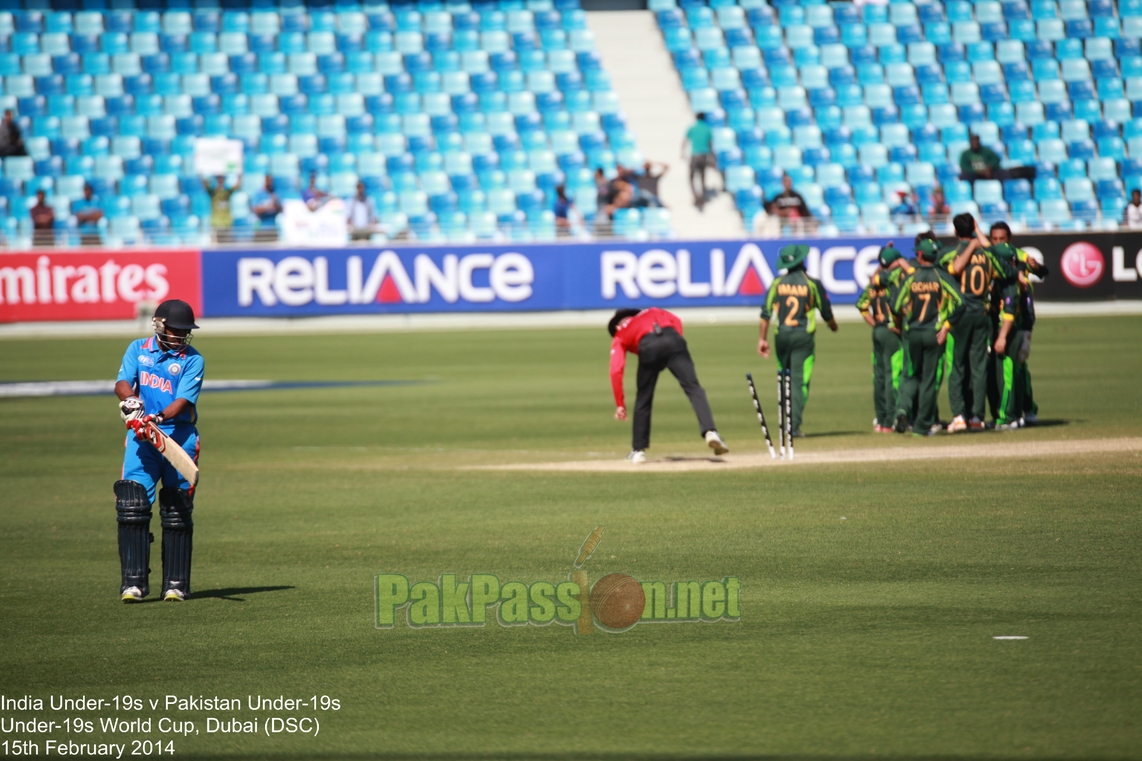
(629, 333)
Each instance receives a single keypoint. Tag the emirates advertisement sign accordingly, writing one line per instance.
(94, 285)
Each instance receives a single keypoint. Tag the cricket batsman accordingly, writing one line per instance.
(655, 335)
(887, 355)
(928, 304)
(792, 299)
(159, 381)
(973, 264)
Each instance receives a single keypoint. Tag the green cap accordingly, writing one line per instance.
(1003, 251)
(888, 255)
(791, 256)
(929, 248)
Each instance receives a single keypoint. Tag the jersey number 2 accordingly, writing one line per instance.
(793, 305)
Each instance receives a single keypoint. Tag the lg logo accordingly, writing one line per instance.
(1082, 264)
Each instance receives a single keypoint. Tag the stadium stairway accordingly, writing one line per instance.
(658, 112)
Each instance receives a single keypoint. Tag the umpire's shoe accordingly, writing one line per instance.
(714, 441)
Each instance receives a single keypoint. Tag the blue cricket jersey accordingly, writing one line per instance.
(162, 376)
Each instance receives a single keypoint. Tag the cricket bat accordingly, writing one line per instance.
(168, 448)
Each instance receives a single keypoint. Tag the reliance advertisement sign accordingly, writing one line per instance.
(530, 278)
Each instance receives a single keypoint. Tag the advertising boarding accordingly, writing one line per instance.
(519, 278)
(296, 281)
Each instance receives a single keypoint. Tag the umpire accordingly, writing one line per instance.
(655, 335)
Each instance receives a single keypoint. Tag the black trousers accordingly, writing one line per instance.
(666, 351)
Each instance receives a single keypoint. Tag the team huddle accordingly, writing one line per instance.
(966, 312)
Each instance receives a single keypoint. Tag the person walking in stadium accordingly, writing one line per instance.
(969, 342)
(792, 300)
(1027, 265)
(159, 381)
(655, 335)
(887, 355)
(928, 304)
(701, 153)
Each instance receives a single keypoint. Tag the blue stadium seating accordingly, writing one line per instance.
(895, 89)
(446, 112)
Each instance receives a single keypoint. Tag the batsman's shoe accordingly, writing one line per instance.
(637, 457)
(958, 424)
(174, 595)
(714, 441)
(901, 422)
(132, 594)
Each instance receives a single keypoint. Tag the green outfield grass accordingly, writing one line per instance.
(871, 593)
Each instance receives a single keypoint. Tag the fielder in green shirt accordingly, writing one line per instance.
(927, 305)
(792, 300)
(887, 353)
(1027, 266)
(1013, 325)
(969, 342)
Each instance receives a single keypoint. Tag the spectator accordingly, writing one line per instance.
(647, 181)
(621, 196)
(314, 196)
(698, 140)
(43, 222)
(907, 205)
(563, 207)
(638, 199)
(939, 206)
(88, 211)
(267, 206)
(602, 188)
(1132, 215)
(788, 204)
(220, 217)
(979, 162)
(11, 141)
(361, 215)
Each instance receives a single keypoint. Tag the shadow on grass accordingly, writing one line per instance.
(827, 434)
(717, 460)
(230, 592)
(1051, 423)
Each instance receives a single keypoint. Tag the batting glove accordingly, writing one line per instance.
(131, 408)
